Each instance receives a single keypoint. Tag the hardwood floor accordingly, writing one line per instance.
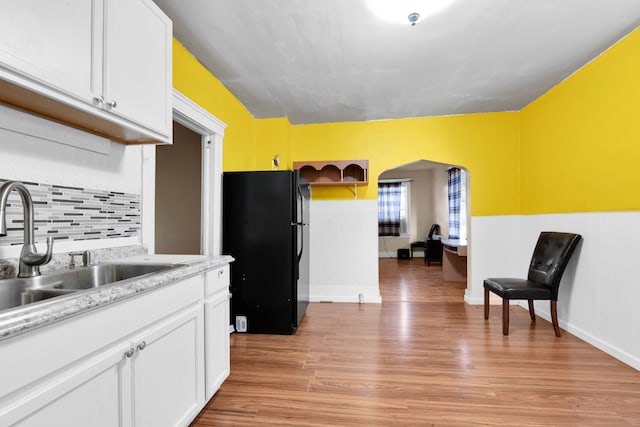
(422, 357)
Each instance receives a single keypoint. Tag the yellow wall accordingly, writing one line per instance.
(241, 150)
(581, 140)
(198, 84)
(274, 138)
(575, 149)
(486, 144)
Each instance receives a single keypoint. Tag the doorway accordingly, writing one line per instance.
(210, 132)
(178, 212)
(428, 204)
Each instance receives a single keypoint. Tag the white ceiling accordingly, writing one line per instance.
(317, 61)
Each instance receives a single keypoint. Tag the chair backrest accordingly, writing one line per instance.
(550, 258)
(434, 227)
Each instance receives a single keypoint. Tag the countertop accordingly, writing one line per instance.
(459, 247)
(28, 317)
(456, 243)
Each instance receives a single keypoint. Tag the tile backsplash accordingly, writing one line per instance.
(73, 213)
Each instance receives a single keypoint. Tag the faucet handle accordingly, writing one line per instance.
(34, 258)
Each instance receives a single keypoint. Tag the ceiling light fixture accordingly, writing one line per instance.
(406, 11)
(413, 18)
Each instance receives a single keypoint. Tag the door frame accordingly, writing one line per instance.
(193, 117)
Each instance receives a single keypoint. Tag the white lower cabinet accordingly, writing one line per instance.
(216, 314)
(152, 375)
(216, 317)
(88, 394)
(167, 371)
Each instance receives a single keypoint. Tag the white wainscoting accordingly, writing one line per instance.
(600, 290)
(495, 250)
(344, 251)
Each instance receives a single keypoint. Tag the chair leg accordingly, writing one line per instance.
(486, 303)
(505, 316)
(532, 311)
(554, 317)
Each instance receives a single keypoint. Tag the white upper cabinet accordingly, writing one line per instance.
(137, 68)
(53, 43)
(101, 65)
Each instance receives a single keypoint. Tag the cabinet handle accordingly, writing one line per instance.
(129, 352)
(142, 345)
(98, 100)
(112, 104)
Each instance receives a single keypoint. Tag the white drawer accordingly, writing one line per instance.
(216, 280)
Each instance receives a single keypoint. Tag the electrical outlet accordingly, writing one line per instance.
(241, 323)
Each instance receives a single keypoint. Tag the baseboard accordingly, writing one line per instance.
(416, 254)
(480, 300)
(612, 350)
(346, 299)
(343, 299)
(471, 300)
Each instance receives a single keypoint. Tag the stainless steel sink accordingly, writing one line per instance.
(17, 292)
(98, 275)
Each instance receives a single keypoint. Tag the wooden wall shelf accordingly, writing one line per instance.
(334, 172)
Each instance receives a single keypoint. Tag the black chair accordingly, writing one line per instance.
(417, 244)
(423, 243)
(434, 228)
(432, 247)
(549, 260)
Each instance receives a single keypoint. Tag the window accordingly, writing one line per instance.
(393, 207)
(457, 189)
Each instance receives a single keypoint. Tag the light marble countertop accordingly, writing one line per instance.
(25, 318)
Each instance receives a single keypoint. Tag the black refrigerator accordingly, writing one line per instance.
(265, 227)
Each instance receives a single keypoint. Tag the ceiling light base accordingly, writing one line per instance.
(413, 18)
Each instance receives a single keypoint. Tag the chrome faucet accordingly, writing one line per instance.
(30, 259)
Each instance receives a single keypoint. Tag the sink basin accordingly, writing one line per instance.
(98, 275)
(17, 292)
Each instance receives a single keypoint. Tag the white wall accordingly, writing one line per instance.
(38, 150)
(599, 291)
(344, 250)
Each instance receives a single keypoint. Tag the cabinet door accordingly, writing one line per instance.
(54, 42)
(168, 368)
(88, 394)
(216, 317)
(137, 63)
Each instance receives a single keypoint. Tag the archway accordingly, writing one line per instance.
(427, 204)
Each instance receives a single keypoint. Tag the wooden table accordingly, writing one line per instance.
(454, 260)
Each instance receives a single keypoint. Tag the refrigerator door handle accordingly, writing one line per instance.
(301, 223)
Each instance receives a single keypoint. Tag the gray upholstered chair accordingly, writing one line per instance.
(549, 260)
